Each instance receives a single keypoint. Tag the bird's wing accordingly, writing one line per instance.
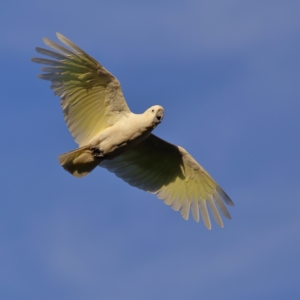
(169, 171)
(91, 97)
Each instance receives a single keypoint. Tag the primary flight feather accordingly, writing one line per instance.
(109, 135)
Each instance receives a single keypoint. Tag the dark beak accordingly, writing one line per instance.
(159, 116)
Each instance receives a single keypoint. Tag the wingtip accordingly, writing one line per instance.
(46, 40)
(221, 224)
(225, 197)
(185, 217)
(185, 211)
(63, 39)
(208, 226)
(58, 34)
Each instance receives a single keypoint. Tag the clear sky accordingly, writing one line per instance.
(227, 74)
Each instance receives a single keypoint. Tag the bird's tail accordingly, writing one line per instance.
(79, 162)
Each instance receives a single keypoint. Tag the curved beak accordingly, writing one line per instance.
(160, 116)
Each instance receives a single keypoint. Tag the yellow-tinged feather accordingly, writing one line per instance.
(195, 210)
(171, 173)
(92, 101)
(91, 97)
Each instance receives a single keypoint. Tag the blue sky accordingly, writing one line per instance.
(227, 74)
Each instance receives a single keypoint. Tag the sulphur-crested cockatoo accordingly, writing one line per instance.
(109, 135)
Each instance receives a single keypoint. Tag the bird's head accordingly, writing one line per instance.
(156, 114)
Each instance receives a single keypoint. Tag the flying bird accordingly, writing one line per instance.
(109, 135)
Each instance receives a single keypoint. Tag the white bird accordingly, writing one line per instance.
(111, 136)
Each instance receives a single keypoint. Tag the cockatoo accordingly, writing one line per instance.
(109, 135)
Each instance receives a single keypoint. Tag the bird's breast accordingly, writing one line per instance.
(121, 137)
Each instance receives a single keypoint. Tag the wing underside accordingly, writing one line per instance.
(91, 97)
(174, 176)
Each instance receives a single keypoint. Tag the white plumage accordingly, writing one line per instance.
(111, 136)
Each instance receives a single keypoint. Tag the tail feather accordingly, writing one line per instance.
(79, 162)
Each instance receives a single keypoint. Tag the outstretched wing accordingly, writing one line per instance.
(91, 97)
(169, 171)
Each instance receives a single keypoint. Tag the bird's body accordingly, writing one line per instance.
(128, 132)
(111, 136)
